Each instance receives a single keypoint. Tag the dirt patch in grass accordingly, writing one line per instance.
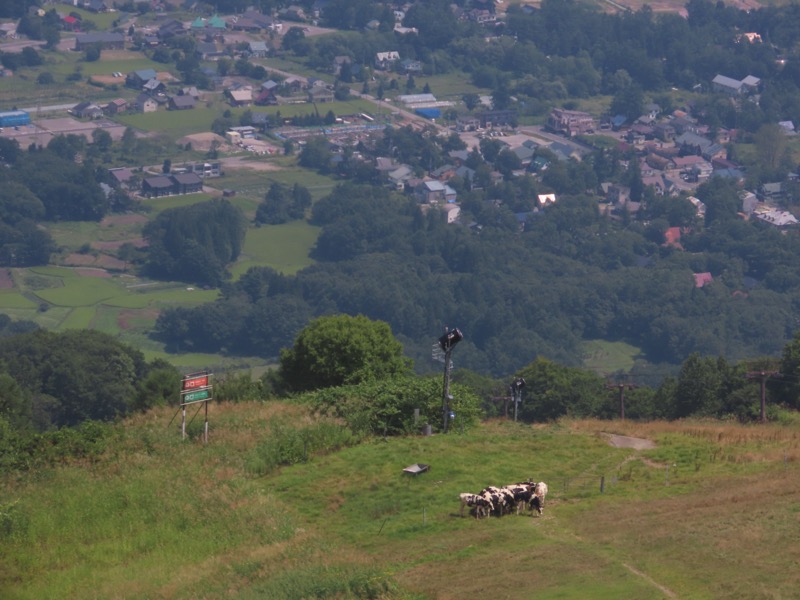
(114, 220)
(79, 260)
(624, 441)
(240, 162)
(109, 262)
(103, 261)
(6, 281)
(202, 142)
(113, 246)
(107, 79)
(127, 319)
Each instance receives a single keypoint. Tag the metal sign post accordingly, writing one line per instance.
(196, 387)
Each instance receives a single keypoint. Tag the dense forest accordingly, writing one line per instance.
(570, 274)
(70, 192)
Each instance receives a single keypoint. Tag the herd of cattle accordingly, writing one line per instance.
(505, 500)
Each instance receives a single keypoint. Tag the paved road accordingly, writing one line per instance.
(50, 108)
(20, 44)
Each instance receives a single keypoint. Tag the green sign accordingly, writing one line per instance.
(196, 396)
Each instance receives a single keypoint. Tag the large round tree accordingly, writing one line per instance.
(338, 350)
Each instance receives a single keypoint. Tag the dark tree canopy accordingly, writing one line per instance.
(195, 243)
(70, 377)
(340, 350)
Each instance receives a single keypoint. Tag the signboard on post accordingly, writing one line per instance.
(195, 387)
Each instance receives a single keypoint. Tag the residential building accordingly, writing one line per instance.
(182, 102)
(116, 107)
(145, 103)
(168, 185)
(386, 60)
(241, 97)
(570, 122)
(103, 39)
(137, 79)
(87, 110)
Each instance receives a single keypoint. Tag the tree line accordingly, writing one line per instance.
(70, 192)
(518, 289)
(55, 386)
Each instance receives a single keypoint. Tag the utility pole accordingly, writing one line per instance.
(621, 387)
(446, 343)
(762, 376)
(516, 393)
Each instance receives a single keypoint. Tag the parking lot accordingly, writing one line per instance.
(43, 130)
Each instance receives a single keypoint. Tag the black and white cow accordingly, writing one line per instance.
(536, 504)
(522, 494)
(482, 506)
(501, 498)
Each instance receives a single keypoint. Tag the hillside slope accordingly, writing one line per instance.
(158, 517)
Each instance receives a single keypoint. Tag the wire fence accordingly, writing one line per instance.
(599, 479)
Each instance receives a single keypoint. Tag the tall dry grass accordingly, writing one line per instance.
(737, 442)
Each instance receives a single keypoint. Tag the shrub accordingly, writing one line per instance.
(288, 445)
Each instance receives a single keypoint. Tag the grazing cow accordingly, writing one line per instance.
(498, 498)
(540, 490)
(536, 503)
(481, 505)
(521, 493)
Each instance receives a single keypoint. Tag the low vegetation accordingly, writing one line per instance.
(142, 514)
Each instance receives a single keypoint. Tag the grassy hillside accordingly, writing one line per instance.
(155, 517)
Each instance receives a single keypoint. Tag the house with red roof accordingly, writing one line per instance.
(701, 279)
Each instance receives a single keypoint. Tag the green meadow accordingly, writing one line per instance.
(284, 248)
(153, 516)
(605, 358)
(176, 123)
(157, 205)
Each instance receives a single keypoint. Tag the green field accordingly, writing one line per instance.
(154, 517)
(284, 248)
(605, 358)
(9, 299)
(159, 204)
(176, 123)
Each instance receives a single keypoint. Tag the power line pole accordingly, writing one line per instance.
(516, 393)
(446, 343)
(762, 376)
(621, 387)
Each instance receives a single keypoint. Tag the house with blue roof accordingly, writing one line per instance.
(137, 79)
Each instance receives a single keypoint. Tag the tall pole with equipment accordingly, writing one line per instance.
(446, 343)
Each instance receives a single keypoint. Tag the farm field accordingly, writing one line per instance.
(175, 123)
(284, 248)
(605, 358)
(155, 517)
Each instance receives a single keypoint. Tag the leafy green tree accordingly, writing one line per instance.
(697, 392)
(788, 388)
(195, 243)
(101, 140)
(553, 390)
(90, 374)
(339, 350)
(92, 53)
(316, 154)
(15, 405)
(387, 406)
(159, 387)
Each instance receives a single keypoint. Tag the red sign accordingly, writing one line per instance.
(192, 383)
